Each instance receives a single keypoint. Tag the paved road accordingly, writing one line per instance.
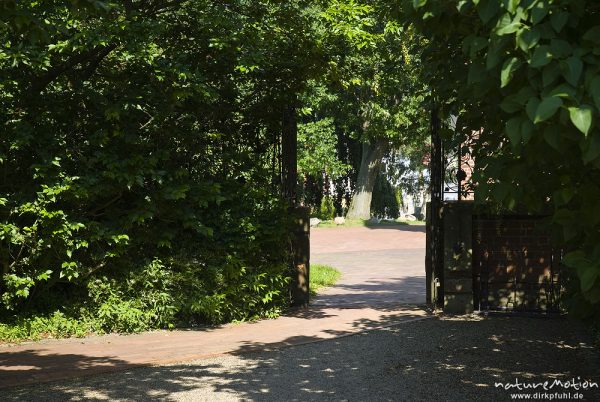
(428, 360)
(380, 266)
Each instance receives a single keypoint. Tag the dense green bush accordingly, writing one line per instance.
(136, 158)
(524, 75)
(55, 325)
(326, 209)
(385, 198)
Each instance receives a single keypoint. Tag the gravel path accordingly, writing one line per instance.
(434, 359)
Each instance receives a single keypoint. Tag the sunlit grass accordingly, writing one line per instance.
(365, 223)
(322, 276)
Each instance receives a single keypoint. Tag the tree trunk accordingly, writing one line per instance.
(360, 207)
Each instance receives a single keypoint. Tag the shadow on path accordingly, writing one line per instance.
(426, 360)
(373, 293)
(404, 228)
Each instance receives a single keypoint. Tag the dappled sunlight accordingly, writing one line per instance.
(402, 360)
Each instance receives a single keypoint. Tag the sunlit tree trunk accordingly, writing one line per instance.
(372, 155)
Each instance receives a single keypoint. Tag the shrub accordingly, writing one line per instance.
(385, 200)
(327, 209)
(54, 325)
(137, 186)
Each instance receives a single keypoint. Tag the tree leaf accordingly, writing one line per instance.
(594, 91)
(573, 68)
(539, 12)
(560, 48)
(546, 109)
(513, 130)
(564, 91)
(593, 35)
(558, 20)
(550, 73)
(526, 130)
(591, 149)
(531, 107)
(588, 277)
(511, 5)
(495, 53)
(487, 9)
(528, 38)
(508, 70)
(541, 56)
(581, 117)
(516, 102)
(506, 25)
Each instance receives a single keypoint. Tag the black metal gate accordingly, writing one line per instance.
(434, 262)
(514, 266)
(450, 170)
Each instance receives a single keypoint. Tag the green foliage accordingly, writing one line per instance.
(136, 158)
(370, 93)
(55, 325)
(527, 73)
(317, 150)
(385, 201)
(322, 276)
(140, 300)
(326, 209)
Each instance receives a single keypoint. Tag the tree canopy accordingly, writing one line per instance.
(371, 93)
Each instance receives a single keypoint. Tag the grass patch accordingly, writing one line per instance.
(413, 223)
(322, 276)
(365, 223)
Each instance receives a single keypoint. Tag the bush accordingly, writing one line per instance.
(385, 199)
(140, 300)
(54, 325)
(524, 76)
(137, 186)
(327, 209)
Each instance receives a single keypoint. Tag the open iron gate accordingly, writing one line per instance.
(434, 253)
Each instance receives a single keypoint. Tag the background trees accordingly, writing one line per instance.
(372, 96)
(528, 73)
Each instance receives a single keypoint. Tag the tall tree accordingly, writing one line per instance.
(374, 81)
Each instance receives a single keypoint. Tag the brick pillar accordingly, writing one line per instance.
(301, 257)
(458, 256)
